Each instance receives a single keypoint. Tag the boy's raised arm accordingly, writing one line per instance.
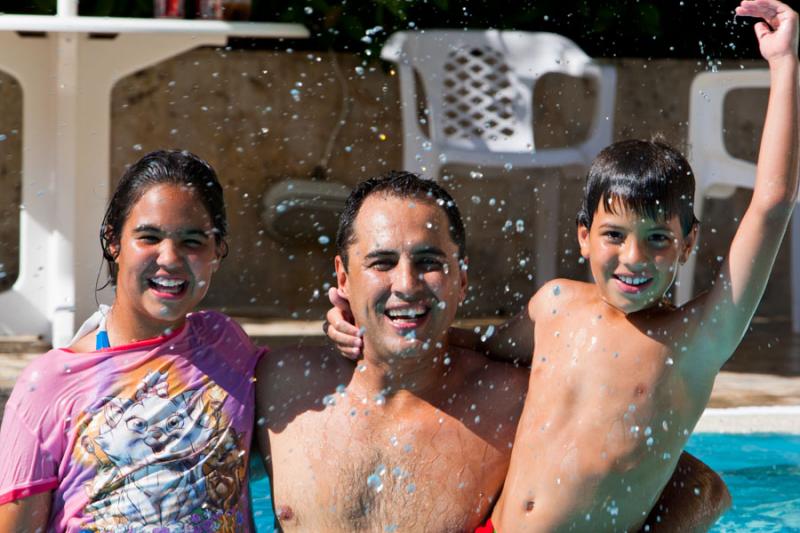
(730, 305)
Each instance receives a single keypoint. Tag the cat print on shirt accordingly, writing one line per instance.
(164, 463)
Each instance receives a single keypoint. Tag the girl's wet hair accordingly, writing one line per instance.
(162, 167)
(649, 178)
(401, 185)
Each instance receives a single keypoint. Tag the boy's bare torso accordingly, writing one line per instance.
(402, 463)
(612, 413)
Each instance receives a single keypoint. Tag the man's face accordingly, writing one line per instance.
(403, 280)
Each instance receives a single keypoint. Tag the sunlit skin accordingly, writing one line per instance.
(168, 238)
(414, 435)
(407, 278)
(168, 235)
(633, 259)
(621, 377)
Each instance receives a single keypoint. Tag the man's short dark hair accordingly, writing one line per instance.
(402, 185)
(650, 178)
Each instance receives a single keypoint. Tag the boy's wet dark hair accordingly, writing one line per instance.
(650, 178)
(162, 167)
(402, 185)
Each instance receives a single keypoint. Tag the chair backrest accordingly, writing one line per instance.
(716, 171)
(478, 85)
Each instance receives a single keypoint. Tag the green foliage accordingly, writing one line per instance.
(637, 28)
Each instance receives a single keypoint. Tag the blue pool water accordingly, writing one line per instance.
(762, 472)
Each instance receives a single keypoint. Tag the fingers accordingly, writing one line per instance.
(762, 29)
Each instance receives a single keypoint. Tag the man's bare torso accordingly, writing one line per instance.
(611, 413)
(343, 461)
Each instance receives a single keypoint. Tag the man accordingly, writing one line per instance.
(416, 436)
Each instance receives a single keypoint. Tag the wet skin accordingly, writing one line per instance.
(166, 255)
(415, 435)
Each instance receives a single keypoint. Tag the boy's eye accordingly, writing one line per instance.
(613, 236)
(660, 239)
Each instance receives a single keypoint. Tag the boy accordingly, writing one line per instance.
(620, 375)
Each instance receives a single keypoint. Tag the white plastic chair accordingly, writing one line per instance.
(477, 107)
(717, 173)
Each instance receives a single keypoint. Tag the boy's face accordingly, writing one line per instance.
(633, 260)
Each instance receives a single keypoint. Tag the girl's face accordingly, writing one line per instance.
(165, 255)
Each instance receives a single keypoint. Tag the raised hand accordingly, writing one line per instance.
(340, 327)
(777, 34)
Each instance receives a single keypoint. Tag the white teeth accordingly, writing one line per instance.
(633, 280)
(408, 312)
(166, 282)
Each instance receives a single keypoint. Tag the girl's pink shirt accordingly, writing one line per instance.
(151, 435)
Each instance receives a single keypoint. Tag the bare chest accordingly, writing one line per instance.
(335, 471)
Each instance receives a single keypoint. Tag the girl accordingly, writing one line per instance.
(144, 422)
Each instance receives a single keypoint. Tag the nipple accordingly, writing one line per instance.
(285, 512)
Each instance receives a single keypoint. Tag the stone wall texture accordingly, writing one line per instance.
(261, 117)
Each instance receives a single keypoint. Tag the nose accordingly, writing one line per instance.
(633, 252)
(168, 254)
(406, 280)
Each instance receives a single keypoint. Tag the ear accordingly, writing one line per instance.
(583, 240)
(688, 244)
(341, 276)
(462, 278)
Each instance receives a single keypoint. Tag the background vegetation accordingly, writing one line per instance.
(703, 29)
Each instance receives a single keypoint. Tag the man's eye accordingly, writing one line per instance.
(149, 239)
(193, 243)
(381, 264)
(429, 264)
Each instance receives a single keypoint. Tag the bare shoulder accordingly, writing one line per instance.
(294, 378)
(558, 294)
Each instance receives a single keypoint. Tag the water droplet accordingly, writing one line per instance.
(379, 399)
(411, 488)
(137, 147)
(375, 482)
(669, 361)
(556, 290)
(324, 239)
(329, 399)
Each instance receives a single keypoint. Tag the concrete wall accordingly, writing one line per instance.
(238, 110)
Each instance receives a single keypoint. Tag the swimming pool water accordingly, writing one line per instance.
(762, 472)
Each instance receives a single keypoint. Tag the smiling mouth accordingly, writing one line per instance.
(407, 317)
(633, 283)
(169, 287)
